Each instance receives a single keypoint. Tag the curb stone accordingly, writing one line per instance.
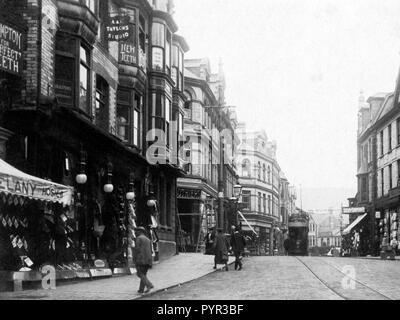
(177, 285)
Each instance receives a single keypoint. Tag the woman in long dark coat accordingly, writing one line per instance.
(221, 246)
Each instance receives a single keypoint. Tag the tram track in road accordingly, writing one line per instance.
(326, 284)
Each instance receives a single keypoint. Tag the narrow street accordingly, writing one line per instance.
(295, 278)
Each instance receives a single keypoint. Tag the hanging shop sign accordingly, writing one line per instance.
(118, 28)
(354, 210)
(20, 184)
(11, 41)
(188, 194)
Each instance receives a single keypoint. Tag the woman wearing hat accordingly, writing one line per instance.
(221, 247)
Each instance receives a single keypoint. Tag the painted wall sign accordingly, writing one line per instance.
(127, 53)
(11, 46)
(118, 28)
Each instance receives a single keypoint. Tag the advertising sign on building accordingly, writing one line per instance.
(188, 194)
(118, 28)
(354, 210)
(11, 46)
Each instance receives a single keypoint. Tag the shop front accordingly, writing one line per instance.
(196, 218)
(35, 222)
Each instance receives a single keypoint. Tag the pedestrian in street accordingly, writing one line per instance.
(143, 259)
(286, 246)
(221, 246)
(394, 244)
(238, 244)
(209, 239)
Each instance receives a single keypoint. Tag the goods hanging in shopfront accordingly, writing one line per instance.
(34, 220)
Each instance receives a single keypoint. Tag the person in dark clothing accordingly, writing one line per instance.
(221, 246)
(143, 259)
(238, 243)
(286, 246)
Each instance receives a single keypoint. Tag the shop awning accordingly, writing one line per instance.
(248, 224)
(19, 185)
(355, 222)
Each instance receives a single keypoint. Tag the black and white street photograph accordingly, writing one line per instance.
(199, 150)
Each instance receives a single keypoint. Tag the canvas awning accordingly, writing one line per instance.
(19, 185)
(352, 225)
(248, 224)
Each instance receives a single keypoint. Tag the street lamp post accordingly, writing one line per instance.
(237, 191)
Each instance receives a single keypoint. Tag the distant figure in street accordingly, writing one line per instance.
(394, 244)
(238, 243)
(143, 259)
(221, 247)
(209, 239)
(286, 246)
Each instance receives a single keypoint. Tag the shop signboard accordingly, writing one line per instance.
(11, 49)
(188, 194)
(353, 210)
(118, 28)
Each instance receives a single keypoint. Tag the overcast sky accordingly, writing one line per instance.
(296, 68)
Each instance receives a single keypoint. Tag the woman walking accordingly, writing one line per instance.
(221, 247)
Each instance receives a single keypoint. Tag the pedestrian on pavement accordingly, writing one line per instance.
(238, 244)
(143, 259)
(221, 246)
(209, 238)
(286, 246)
(394, 244)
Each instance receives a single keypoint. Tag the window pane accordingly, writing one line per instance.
(168, 110)
(174, 76)
(123, 122)
(83, 86)
(158, 34)
(84, 54)
(175, 56)
(64, 75)
(158, 58)
(136, 128)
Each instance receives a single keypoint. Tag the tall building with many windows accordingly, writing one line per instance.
(260, 178)
(88, 81)
(209, 130)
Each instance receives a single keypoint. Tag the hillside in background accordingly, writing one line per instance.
(325, 198)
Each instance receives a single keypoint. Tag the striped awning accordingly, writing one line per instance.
(15, 186)
(248, 224)
(352, 225)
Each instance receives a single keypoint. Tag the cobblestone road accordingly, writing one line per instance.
(262, 278)
(305, 278)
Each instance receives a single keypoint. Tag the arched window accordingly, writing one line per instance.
(246, 172)
(259, 170)
(264, 173)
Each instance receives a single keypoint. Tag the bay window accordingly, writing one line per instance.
(72, 72)
(128, 117)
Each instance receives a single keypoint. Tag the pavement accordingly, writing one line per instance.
(172, 272)
(295, 278)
